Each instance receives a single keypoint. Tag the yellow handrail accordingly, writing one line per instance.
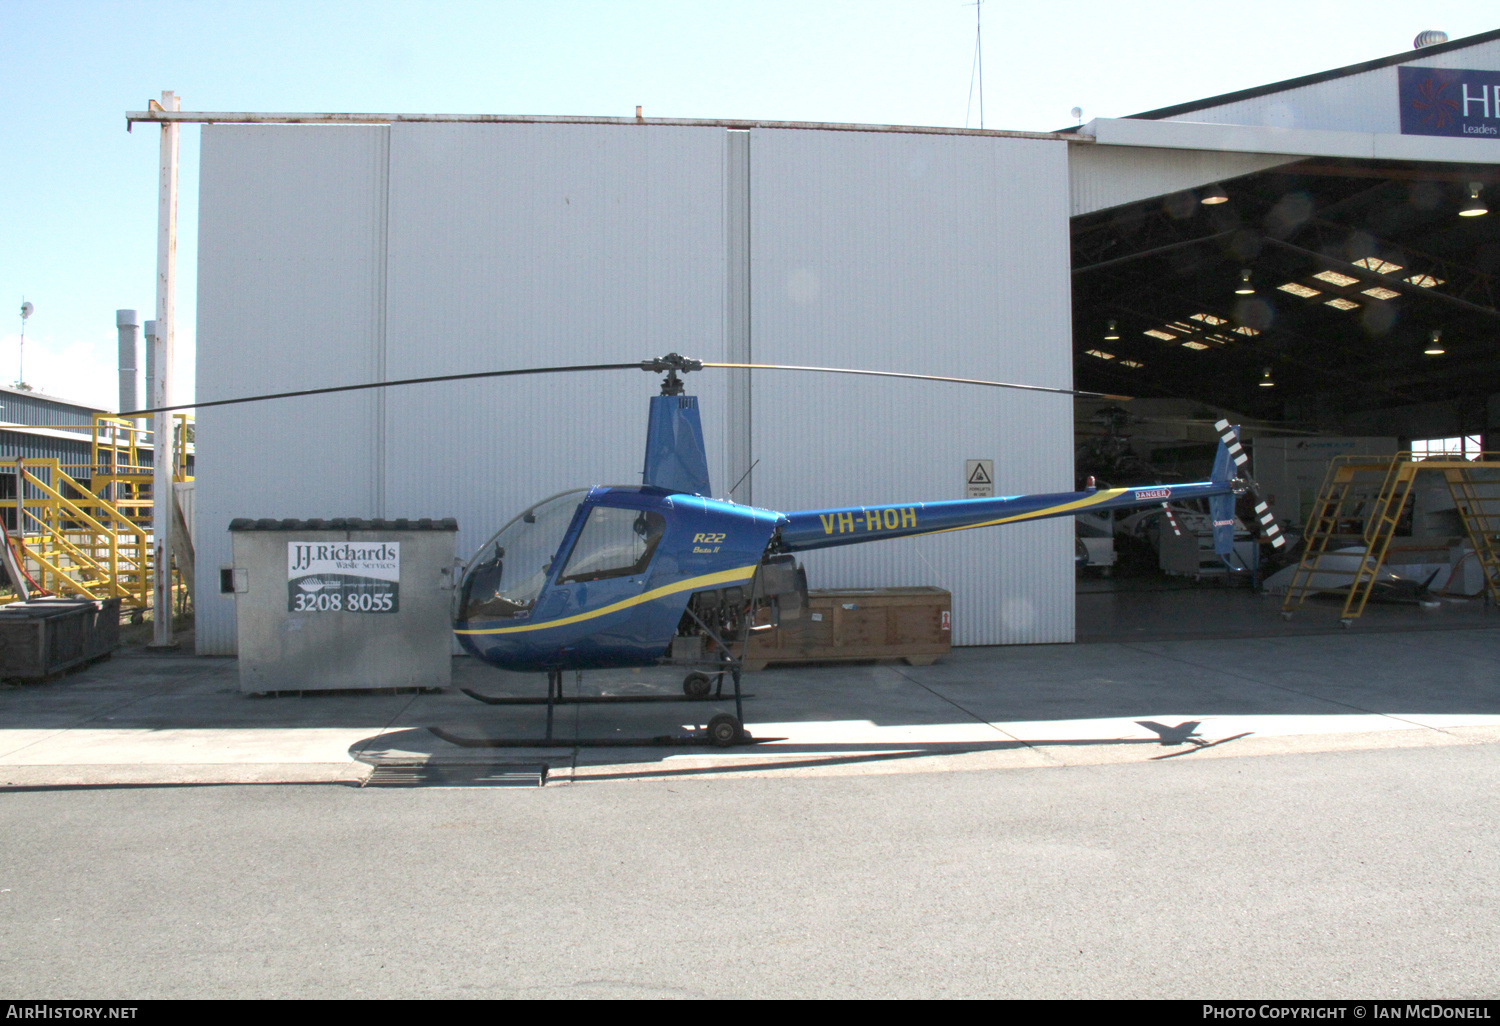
(72, 541)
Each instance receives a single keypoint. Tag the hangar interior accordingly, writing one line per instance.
(1286, 256)
(1339, 297)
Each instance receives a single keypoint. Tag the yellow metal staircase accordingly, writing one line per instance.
(74, 542)
(86, 531)
(1362, 502)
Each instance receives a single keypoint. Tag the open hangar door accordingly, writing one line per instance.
(1315, 302)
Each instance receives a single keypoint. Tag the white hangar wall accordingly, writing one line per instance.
(1100, 177)
(330, 255)
(291, 295)
(929, 254)
(523, 245)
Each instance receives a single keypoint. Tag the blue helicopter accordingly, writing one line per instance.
(660, 573)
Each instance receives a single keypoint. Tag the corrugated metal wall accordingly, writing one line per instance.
(335, 255)
(528, 245)
(1365, 102)
(36, 410)
(290, 296)
(75, 454)
(932, 254)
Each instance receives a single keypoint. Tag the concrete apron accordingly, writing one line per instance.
(154, 720)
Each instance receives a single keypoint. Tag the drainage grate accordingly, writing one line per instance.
(528, 774)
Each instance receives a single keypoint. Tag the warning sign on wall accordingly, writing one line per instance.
(979, 479)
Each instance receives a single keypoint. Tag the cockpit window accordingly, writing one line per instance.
(614, 543)
(506, 576)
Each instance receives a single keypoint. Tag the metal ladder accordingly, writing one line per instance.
(1352, 491)
(1380, 528)
(1346, 498)
(1478, 505)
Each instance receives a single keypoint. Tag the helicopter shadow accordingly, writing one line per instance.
(1181, 697)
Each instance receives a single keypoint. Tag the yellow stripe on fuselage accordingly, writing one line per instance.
(1092, 500)
(691, 584)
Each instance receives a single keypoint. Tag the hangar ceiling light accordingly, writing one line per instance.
(1244, 288)
(1435, 343)
(1299, 290)
(1380, 293)
(1195, 345)
(1342, 304)
(1112, 333)
(1214, 195)
(1157, 333)
(1473, 206)
(1335, 278)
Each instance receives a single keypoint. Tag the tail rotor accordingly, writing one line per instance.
(1231, 451)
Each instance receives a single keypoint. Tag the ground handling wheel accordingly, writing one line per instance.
(724, 730)
(696, 685)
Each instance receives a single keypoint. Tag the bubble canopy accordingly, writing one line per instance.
(506, 575)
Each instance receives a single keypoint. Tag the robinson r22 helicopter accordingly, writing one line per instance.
(660, 573)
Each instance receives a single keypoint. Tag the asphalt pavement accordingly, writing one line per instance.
(1337, 874)
(1293, 816)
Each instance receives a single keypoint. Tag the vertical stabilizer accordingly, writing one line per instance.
(675, 458)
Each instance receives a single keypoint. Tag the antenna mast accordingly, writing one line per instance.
(976, 70)
(26, 309)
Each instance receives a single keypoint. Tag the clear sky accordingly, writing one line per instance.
(78, 194)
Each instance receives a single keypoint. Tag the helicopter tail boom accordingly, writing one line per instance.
(827, 528)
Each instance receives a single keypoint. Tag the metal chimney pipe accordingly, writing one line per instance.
(127, 322)
(150, 329)
(149, 401)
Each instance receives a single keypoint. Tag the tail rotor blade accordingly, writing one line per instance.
(1269, 528)
(1267, 520)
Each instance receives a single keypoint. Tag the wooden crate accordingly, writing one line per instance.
(49, 635)
(852, 624)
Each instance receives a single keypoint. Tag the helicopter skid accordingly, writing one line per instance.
(592, 699)
(591, 742)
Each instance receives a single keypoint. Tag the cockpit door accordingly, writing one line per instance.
(607, 567)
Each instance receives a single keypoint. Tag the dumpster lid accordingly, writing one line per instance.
(343, 524)
(47, 605)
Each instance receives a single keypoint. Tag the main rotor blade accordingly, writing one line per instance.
(920, 377)
(648, 365)
(384, 384)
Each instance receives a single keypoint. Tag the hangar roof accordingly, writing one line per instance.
(1350, 232)
(1179, 109)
